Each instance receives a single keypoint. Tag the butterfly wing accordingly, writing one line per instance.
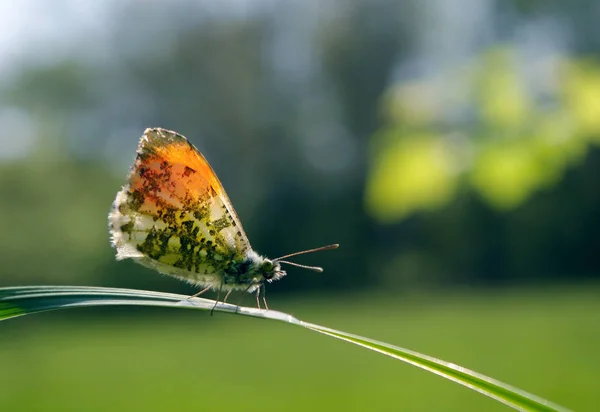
(174, 215)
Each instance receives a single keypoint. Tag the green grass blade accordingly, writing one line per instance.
(500, 391)
(19, 301)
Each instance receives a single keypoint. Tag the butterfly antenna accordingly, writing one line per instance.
(318, 249)
(313, 268)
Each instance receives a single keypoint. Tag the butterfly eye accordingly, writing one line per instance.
(267, 265)
(267, 269)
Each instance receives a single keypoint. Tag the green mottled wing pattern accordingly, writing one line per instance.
(174, 215)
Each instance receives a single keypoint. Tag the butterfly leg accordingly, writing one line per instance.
(226, 296)
(199, 293)
(265, 296)
(217, 300)
(257, 298)
(264, 299)
(241, 298)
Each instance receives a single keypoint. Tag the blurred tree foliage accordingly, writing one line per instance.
(218, 83)
(480, 173)
(508, 143)
(508, 165)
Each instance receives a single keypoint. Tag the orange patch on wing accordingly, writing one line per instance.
(184, 154)
(173, 174)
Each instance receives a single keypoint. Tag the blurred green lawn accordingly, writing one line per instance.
(545, 342)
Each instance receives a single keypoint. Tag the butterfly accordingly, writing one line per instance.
(173, 215)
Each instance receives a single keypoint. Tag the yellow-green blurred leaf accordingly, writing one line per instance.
(581, 88)
(506, 173)
(502, 98)
(409, 173)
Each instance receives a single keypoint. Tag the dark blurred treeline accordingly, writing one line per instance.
(308, 113)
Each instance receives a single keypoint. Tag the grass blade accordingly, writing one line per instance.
(19, 301)
(511, 396)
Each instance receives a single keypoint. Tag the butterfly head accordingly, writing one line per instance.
(271, 270)
(255, 269)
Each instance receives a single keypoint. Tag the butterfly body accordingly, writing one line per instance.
(173, 215)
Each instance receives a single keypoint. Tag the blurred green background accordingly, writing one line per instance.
(451, 147)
